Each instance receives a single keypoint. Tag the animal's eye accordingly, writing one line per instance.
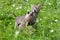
(28, 12)
(19, 24)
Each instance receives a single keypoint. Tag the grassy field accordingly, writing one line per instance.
(47, 26)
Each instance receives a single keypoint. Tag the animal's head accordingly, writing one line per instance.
(35, 8)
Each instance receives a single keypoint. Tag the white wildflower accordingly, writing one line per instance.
(20, 7)
(13, 5)
(49, 3)
(52, 30)
(27, 0)
(56, 20)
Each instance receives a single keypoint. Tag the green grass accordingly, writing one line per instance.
(47, 26)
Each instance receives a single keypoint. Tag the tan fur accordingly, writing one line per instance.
(30, 17)
(26, 20)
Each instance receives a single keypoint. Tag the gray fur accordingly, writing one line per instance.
(30, 17)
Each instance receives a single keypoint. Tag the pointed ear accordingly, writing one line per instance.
(38, 5)
(32, 6)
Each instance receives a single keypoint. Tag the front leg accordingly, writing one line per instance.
(26, 24)
(15, 25)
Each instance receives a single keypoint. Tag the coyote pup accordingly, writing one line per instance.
(28, 19)
(23, 21)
